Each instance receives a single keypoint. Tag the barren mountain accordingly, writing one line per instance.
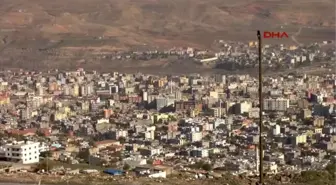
(177, 22)
(55, 32)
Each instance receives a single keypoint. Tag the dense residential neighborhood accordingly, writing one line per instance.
(155, 126)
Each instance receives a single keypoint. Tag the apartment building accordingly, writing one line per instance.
(279, 104)
(199, 152)
(26, 152)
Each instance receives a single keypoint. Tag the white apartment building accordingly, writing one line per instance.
(254, 112)
(217, 112)
(243, 107)
(116, 134)
(26, 152)
(276, 130)
(196, 136)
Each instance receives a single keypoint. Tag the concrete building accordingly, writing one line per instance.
(243, 107)
(178, 95)
(196, 136)
(217, 112)
(161, 102)
(25, 151)
(276, 130)
(254, 112)
(199, 152)
(145, 96)
(116, 134)
(297, 139)
(279, 104)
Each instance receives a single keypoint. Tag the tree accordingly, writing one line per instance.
(207, 138)
(149, 161)
(207, 167)
(18, 137)
(171, 118)
(39, 133)
(91, 143)
(84, 154)
(45, 154)
(122, 140)
(3, 135)
(331, 168)
(126, 167)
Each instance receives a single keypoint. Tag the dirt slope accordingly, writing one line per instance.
(62, 33)
(133, 22)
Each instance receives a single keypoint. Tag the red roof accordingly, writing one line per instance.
(29, 131)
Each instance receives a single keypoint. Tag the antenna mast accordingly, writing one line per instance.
(261, 171)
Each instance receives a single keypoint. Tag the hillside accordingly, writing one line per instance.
(160, 22)
(48, 34)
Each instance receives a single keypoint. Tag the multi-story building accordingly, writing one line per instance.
(199, 152)
(276, 130)
(217, 111)
(161, 102)
(187, 105)
(178, 95)
(298, 138)
(116, 134)
(319, 122)
(243, 107)
(279, 104)
(25, 151)
(196, 136)
(254, 112)
(83, 90)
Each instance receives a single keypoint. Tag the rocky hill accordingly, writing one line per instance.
(41, 34)
(162, 22)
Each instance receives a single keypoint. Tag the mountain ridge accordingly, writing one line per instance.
(164, 22)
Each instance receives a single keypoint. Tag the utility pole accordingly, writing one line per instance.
(261, 171)
(47, 163)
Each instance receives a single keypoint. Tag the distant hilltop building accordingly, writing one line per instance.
(253, 43)
(292, 47)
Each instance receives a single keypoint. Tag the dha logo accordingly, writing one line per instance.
(279, 35)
